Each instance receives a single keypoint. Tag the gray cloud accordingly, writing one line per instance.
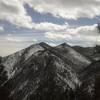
(83, 35)
(14, 12)
(70, 9)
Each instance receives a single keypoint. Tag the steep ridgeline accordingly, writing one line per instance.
(40, 75)
(13, 61)
(42, 72)
(75, 57)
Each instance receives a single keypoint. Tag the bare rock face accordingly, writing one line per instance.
(42, 72)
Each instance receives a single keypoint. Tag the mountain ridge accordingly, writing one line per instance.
(45, 71)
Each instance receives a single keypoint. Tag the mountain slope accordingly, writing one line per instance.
(42, 72)
(93, 53)
(13, 60)
(90, 78)
(42, 76)
(75, 57)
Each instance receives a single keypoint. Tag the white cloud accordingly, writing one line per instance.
(57, 36)
(83, 35)
(71, 9)
(17, 39)
(14, 12)
(1, 29)
(11, 39)
(83, 30)
(50, 26)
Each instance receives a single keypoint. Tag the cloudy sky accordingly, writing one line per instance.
(24, 22)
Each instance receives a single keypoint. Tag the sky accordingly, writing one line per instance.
(26, 22)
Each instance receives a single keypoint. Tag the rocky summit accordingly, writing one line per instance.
(42, 72)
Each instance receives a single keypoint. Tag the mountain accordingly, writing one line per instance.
(42, 72)
(91, 79)
(13, 61)
(75, 57)
(93, 53)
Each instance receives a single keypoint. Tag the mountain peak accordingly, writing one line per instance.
(63, 51)
(63, 45)
(45, 72)
(43, 44)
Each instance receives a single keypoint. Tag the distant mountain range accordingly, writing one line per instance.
(42, 72)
